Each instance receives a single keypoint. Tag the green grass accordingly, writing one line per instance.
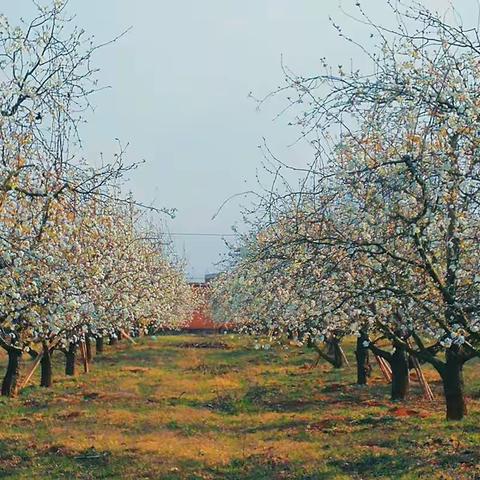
(159, 410)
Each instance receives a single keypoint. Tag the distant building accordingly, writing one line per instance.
(202, 320)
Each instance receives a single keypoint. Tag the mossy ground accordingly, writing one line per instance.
(163, 410)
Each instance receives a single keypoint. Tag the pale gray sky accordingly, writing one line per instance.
(180, 83)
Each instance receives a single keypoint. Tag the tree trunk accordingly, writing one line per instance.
(335, 352)
(9, 384)
(400, 376)
(363, 361)
(152, 330)
(70, 356)
(46, 368)
(99, 345)
(113, 340)
(453, 387)
(88, 348)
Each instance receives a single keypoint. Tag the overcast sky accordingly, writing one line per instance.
(180, 95)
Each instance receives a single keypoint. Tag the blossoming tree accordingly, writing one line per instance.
(397, 150)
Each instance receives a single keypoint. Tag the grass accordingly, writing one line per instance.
(165, 410)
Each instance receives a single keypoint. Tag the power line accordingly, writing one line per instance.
(190, 234)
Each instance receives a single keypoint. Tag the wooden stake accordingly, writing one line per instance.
(345, 359)
(422, 380)
(128, 337)
(385, 368)
(36, 363)
(83, 352)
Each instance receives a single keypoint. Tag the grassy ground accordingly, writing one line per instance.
(164, 410)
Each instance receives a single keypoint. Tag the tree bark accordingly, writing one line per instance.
(70, 356)
(335, 352)
(363, 360)
(99, 345)
(88, 348)
(9, 384)
(398, 361)
(46, 368)
(453, 385)
(400, 373)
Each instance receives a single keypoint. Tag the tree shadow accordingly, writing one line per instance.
(372, 465)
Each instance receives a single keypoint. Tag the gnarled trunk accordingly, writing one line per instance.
(453, 386)
(335, 352)
(99, 345)
(46, 368)
(363, 361)
(70, 356)
(9, 384)
(400, 375)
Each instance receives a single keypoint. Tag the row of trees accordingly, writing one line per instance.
(94, 272)
(77, 258)
(380, 238)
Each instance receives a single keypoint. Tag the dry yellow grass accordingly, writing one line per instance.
(161, 411)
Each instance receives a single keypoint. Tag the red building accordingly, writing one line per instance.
(202, 318)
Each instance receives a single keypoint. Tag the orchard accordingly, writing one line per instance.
(381, 239)
(340, 334)
(78, 260)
